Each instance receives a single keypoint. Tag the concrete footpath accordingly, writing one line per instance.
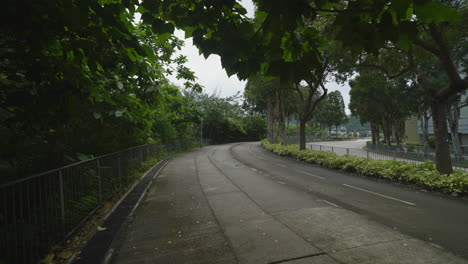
(207, 207)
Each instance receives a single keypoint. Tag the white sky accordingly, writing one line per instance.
(214, 79)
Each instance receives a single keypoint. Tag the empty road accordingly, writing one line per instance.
(238, 203)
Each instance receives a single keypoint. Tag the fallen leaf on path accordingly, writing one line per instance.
(65, 254)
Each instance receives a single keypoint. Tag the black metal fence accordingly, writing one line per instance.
(43, 210)
(382, 154)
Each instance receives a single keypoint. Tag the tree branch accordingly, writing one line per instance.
(409, 68)
(457, 84)
(316, 102)
(340, 11)
(386, 71)
(427, 46)
(301, 95)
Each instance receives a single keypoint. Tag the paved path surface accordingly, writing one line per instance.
(238, 203)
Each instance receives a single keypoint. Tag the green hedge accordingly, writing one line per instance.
(423, 175)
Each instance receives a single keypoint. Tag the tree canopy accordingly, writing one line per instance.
(87, 77)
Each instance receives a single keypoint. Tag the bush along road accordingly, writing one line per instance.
(424, 175)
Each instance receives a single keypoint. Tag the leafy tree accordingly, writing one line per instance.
(438, 65)
(224, 120)
(90, 67)
(331, 111)
(255, 127)
(81, 78)
(384, 103)
(265, 95)
(356, 125)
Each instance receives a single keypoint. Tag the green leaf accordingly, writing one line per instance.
(403, 42)
(287, 47)
(260, 16)
(149, 51)
(401, 8)
(163, 37)
(120, 85)
(188, 31)
(434, 12)
(160, 27)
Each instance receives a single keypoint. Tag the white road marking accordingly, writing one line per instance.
(249, 150)
(261, 158)
(310, 174)
(280, 182)
(378, 194)
(330, 203)
(279, 164)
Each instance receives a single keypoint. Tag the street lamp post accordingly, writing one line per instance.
(201, 132)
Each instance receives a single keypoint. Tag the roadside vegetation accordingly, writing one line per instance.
(80, 79)
(425, 175)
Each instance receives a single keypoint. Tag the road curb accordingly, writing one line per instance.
(98, 249)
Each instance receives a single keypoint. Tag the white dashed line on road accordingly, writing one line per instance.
(378, 194)
(261, 158)
(310, 174)
(330, 203)
(279, 164)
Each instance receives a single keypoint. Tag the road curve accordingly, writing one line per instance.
(435, 218)
(262, 208)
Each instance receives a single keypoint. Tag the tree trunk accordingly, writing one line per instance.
(384, 131)
(377, 133)
(453, 113)
(442, 151)
(399, 131)
(302, 139)
(387, 130)
(270, 121)
(373, 133)
(424, 119)
(281, 121)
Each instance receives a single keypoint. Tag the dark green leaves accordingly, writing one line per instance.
(402, 10)
(161, 27)
(434, 12)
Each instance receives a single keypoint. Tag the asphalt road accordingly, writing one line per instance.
(435, 218)
(238, 203)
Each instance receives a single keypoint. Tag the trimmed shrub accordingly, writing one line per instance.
(424, 175)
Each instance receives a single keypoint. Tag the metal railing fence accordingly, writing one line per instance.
(43, 210)
(414, 157)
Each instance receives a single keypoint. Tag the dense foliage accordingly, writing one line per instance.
(80, 79)
(224, 120)
(331, 112)
(356, 125)
(424, 175)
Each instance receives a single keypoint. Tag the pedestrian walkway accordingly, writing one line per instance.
(174, 223)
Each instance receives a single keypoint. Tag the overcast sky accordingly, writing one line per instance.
(214, 79)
